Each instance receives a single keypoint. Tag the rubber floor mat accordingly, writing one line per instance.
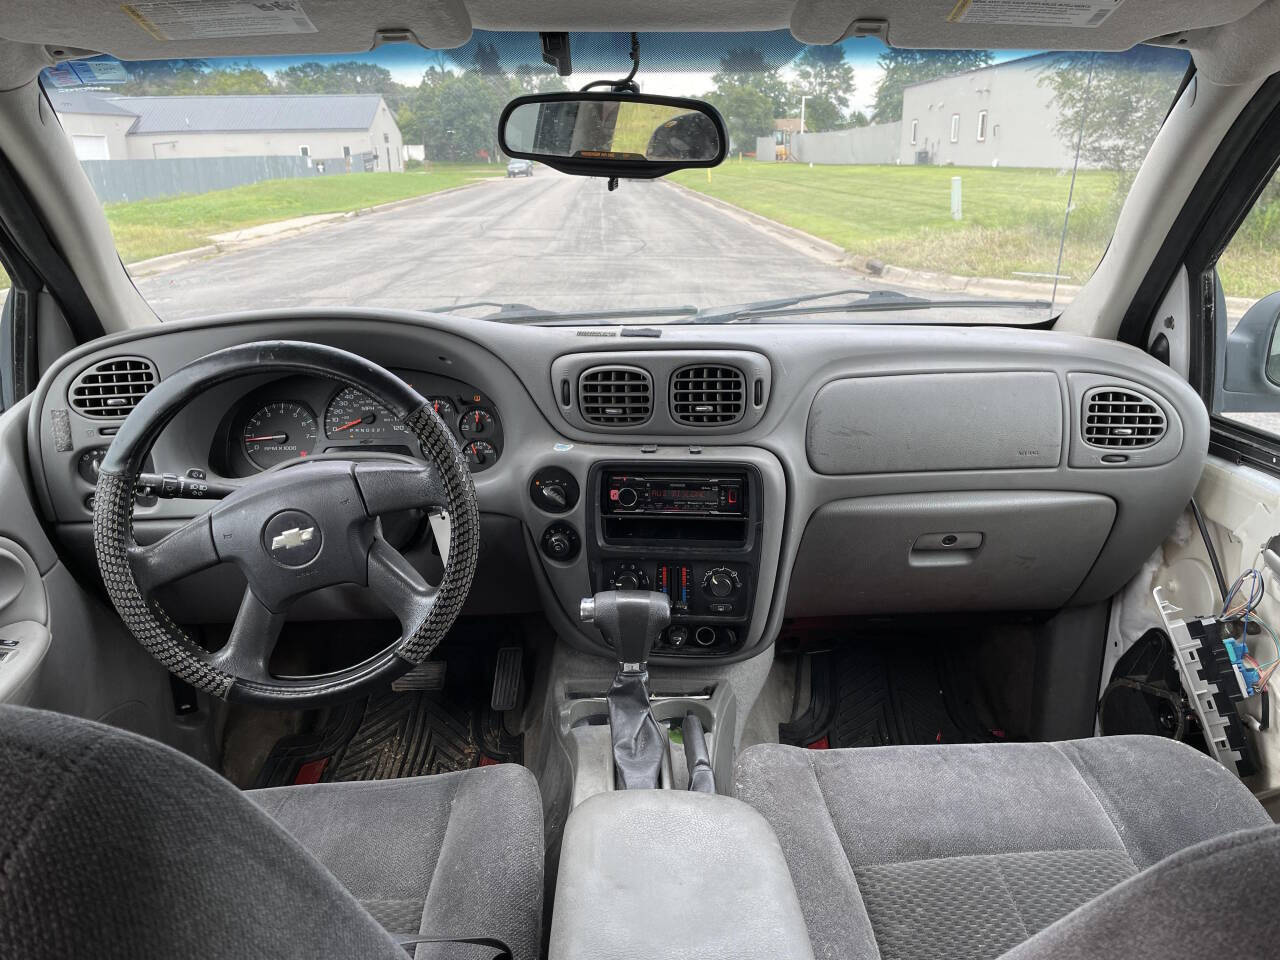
(391, 735)
(863, 697)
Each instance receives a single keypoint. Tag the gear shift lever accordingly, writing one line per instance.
(632, 621)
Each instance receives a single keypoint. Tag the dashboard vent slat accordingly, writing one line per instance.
(708, 395)
(615, 396)
(110, 389)
(1116, 418)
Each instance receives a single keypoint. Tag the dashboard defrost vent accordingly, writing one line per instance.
(708, 395)
(110, 389)
(1115, 418)
(615, 396)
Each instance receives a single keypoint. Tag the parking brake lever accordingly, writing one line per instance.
(696, 756)
(632, 621)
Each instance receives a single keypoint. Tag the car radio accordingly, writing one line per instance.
(682, 495)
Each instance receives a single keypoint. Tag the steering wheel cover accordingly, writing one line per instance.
(153, 626)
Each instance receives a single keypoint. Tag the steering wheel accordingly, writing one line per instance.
(290, 531)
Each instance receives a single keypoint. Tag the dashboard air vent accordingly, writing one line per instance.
(110, 389)
(708, 396)
(1116, 418)
(615, 396)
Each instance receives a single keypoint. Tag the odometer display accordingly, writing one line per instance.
(277, 432)
(355, 416)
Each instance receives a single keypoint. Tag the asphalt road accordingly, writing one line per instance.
(549, 241)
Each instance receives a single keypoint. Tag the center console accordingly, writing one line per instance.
(692, 533)
(652, 873)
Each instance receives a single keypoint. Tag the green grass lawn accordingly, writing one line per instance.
(1011, 227)
(902, 215)
(149, 228)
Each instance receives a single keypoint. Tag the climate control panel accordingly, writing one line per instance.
(710, 600)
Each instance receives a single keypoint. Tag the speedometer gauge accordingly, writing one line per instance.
(354, 415)
(278, 432)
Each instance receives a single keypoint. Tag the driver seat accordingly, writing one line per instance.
(117, 846)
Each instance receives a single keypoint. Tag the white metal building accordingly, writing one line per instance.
(1003, 114)
(324, 127)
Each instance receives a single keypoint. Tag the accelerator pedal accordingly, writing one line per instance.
(507, 677)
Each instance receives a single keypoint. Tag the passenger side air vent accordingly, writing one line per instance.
(615, 396)
(708, 396)
(1116, 418)
(110, 389)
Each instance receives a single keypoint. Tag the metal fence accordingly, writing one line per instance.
(874, 144)
(119, 181)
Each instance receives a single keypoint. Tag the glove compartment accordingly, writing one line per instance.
(958, 551)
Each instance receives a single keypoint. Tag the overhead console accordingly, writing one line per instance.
(689, 532)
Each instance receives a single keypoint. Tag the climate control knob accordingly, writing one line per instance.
(721, 582)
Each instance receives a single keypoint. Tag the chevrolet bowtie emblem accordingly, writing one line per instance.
(294, 537)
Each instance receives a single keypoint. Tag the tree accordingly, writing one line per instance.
(456, 115)
(747, 113)
(826, 78)
(1118, 101)
(902, 68)
(533, 79)
(232, 80)
(747, 69)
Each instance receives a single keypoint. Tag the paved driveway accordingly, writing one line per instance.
(550, 241)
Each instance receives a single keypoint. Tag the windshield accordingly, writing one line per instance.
(863, 183)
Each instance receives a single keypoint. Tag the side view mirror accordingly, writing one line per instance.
(1251, 368)
(616, 134)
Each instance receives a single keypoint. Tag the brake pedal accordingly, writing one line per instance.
(506, 679)
(428, 675)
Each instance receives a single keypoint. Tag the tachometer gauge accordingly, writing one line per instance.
(476, 422)
(354, 415)
(278, 432)
(479, 453)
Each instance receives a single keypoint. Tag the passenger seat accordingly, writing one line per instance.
(968, 852)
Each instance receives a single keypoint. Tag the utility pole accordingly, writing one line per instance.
(802, 101)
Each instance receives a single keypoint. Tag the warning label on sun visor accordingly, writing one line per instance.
(1034, 13)
(210, 19)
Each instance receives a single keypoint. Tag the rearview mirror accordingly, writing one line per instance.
(613, 134)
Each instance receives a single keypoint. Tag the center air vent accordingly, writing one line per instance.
(1121, 419)
(109, 390)
(707, 396)
(615, 396)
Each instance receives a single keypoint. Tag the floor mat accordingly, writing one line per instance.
(391, 735)
(864, 696)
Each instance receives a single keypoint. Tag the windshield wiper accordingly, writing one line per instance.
(731, 312)
(878, 301)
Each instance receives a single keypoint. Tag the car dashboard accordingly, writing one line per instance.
(751, 473)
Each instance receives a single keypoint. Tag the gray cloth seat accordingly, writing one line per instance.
(117, 846)
(966, 852)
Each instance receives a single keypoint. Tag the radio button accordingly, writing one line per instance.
(627, 497)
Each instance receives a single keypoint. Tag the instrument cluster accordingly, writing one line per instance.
(305, 416)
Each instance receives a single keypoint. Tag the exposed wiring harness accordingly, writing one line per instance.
(1240, 606)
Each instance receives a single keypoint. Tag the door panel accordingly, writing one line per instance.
(73, 653)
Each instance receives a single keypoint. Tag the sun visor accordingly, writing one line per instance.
(1012, 24)
(155, 29)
